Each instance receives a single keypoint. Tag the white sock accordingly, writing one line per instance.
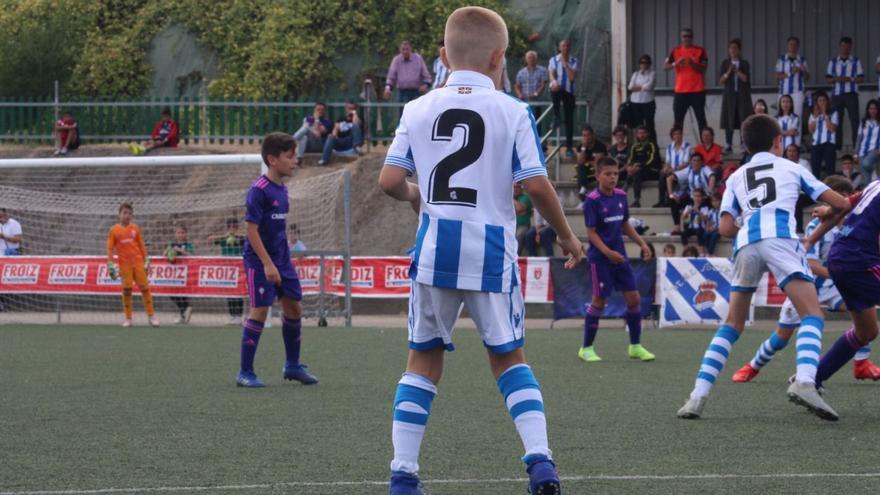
(412, 406)
(522, 394)
(863, 353)
(809, 348)
(714, 360)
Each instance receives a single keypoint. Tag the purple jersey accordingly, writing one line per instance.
(857, 247)
(267, 206)
(606, 213)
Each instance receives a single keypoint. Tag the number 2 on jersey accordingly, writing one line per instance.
(439, 191)
(767, 185)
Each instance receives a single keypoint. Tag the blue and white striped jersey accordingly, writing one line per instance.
(763, 193)
(555, 66)
(788, 122)
(678, 157)
(440, 73)
(823, 134)
(869, 137)
(819, 251)
(838, 67)
(689, 179)
(793, 82)
(467, 143)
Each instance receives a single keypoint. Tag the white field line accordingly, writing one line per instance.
(366, 483)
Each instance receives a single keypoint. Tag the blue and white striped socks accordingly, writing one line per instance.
(412, 406)
(714, 359)
(767, 350)
(526, 405)
(809, 348)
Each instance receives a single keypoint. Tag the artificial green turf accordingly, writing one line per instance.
(89, 408)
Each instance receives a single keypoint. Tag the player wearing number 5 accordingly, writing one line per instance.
(128, 242)
(756, 210)
(467, 143)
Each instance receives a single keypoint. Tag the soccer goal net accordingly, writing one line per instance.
(66, 208)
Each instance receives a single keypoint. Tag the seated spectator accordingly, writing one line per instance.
(697, 176)
(164, 134)
(669, 251)
(180, 246)
(311, 136)
(690, 252)
(726, 171)
(847, 169)
(710, 151)
(793, 153)
(10, 235)
(711, 218)
(678, 156)
(296, 245)
(643, 164)
(541, 233)
(588, 152)
(760, 107)
(347, 136)
(66, 134)
(691, 220)
(869, 142)
(522, 204)
(620, 151)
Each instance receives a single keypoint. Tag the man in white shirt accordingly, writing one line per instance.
(10, 235)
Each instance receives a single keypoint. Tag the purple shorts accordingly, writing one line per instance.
(608, 277)
(263, 293)
(860, 290)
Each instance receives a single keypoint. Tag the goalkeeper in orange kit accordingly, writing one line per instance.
(125, 237)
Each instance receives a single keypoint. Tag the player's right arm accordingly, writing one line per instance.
(545, 200)
(111, 245)
(398, 165)
(730, 211)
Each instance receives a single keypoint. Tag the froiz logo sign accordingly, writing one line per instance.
(361, 276)
(104, 277)
(21, 273)
(218, 276)
(68, 274)
(396, 276)
(309, 275)
(168, 275)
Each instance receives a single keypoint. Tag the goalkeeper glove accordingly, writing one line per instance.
(111, 270)
(147, 266)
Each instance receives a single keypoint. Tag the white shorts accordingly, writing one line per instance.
(829, 296)
(784, 258)
(434, 310)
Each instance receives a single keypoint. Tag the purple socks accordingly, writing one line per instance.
(250, 338)
(591, 325)
(633, 320)
(291, 330)
(841, 352)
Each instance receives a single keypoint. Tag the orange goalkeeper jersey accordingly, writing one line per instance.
(129, 245)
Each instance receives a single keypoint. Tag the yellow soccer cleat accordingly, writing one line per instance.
(588, 355)
(636, 351)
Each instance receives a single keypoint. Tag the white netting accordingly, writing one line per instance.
(68, 211)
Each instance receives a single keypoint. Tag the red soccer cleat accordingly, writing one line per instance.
(866, 370)
(746, 374)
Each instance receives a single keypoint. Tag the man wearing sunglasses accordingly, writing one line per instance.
(690, 62)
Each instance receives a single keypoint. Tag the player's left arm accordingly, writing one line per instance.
(630, 231)
(142, 247)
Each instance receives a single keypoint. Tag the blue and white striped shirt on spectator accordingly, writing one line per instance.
(838, 67)
(788, 122)
(822, 135)
(678, 158)
(556, 67)
(440, 74)
(793, 83)
(869, 137)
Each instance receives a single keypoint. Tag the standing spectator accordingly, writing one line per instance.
(678, 156)
(10, 235)
(315, 127)
(165, 134)
(690, 62)
(620, 151)
(540, 234)
(789, 121)
(823, 124)
(848, 169)
(697, 176)
(441, 72)
(691, 219)
(711, 220)
(869, 142)
(522, 204)
(844, 73)
(294, 243)
(710, 151)
(563, 70)
(641, 97)
(505, 78)
(792, 72)
(736, 102)
(793, 153)
(347, 136)
(531, 81)
(66, 134)
(643, 164)
(177, 248)
(231, 244)
(408, 73)
(589, 152)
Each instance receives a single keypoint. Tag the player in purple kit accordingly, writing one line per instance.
(268, 267)
(854, 266)
(606, 214)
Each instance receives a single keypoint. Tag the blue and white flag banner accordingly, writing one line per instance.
(694, 291)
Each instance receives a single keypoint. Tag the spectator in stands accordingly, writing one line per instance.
(710, 151)
(691, 220)
(678, 157)
(793, 153)
(505, 78)
(296, 245)
(231, 244)
(66, 134)
(690, 62)
(643, 164)
(590, 150)
(690, 252)
(869, 142)
(711, 217)
(681, 183)
(760, 107)
(10, 235)
(620, 151)
(347, 136)
(311, 136)
(165, 134)
(789, 121)
(522, 204)
(736, 100)
(641, 86)
(823, 126)
(531, 81)
(669, 251)
(408, 73)
(848, 170)
(179, 247)
(441, 72)
(563, 69)
(541, 233)
(844, 73)
(792, 72)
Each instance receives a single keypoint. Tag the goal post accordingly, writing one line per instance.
(66, 207)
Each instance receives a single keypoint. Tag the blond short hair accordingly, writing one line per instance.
(472, 34)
